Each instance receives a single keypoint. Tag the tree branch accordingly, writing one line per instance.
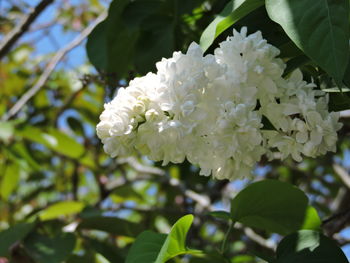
(51, 66)
(11, 38)
(343, 174)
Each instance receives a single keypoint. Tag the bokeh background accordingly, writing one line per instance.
(52, 166)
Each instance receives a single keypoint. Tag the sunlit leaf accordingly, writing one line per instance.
(321, 24)
(312, 220)
(53, 139)
(158, 248)
(232, 12)
(10, 180)
(175, 243)
(59, 209)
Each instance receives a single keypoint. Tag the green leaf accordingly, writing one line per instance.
(96, 47)
(46, 249)
(312, 221)
(146, 247)
(174, 244)
(270, 205)
(59, 209)
(110, 45)
(309, 246)
(6, 130)
(12, 235)
(135, 12)
(151, 247)
(233, 11)
(20, 152)
(221, 214)
(10, 180)
(112, 225)
(54, 140)
(347, 75)
(159, 32)
(322, 24)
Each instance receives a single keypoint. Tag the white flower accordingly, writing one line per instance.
(209, 109)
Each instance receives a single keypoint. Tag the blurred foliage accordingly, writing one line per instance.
(62, 199)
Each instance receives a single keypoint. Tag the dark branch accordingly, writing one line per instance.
(51, 66)
(11, 38)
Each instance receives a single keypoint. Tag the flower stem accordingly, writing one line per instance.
(228, 232)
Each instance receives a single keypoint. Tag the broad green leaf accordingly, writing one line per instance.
(174, 244)
(159, 32)
(10, 180)
(221, 214)
(112, 225)
(46, 249)
(151, 247)
(96, 47)
(233, 11)
(135, 35)
(111, 44)
(309, 246)
(312, 221)
(146, 247)
(270, 205)
(53, 139)
(322, 24)
(59, 209)
(12, 235)
(136, 11)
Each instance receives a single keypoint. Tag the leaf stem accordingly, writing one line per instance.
(228, 232)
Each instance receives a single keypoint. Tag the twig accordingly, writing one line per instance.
(343, 174)
(338, 216)
(139, 167)
(68, 102)
(259, 239)
(51, 66)
(226, 238)
(22, 27)
(43, 26)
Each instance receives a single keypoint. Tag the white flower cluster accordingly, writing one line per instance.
(209, 109)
